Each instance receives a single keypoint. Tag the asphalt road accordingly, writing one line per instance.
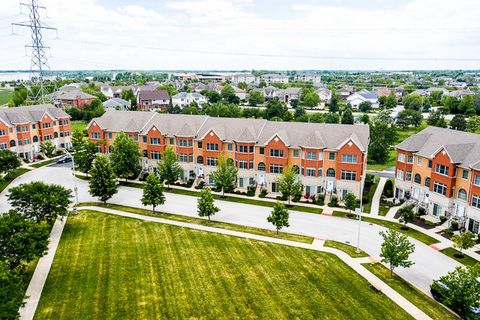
(429, 264)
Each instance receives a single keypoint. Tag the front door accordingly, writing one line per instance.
(330, 185)
(460, 212)
(436, 210)
(261, 178)
(416, 193)
(199, 170)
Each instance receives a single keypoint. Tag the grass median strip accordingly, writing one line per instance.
(420, 236)
(462, 258)
(203, 222)
(412, 294)
(371, 192)
(6, 180)
(45, 163)
(348, 249)
(111, 267)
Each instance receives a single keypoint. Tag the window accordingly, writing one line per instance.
(26, 141)
(276, 153)
(419, 161)
(417, 178)
(261, 150)
(212, 162)
(251, 165)
(349, 158)
(408, 176)
(34, 126)
(135, 138)
(349, 175)
(276, 168)
(3, 145)
(429, 163)
(60, 122)
(410, 159)
(331, 156)
(331, 173)
(476, 181)
(243, 164)
(171, 140)
(110, 136)
(182, 142)
(399, 174)
(401, 157)
(320, 172)
(261, 166)
(230, 147)
(309, 172)
(199, 145)
(154, 155)
(46, 125)
(212, 146)
(462, 194)
(250, 149)
(182, 157)
(47, 137)
(200, 160)
(144, 139)
(311, 156)
(190, 157)
(295, 153)
(465, 174)
(439, 188)
(243, 149)
(96, 135)
(476, 202)
(190, 143)
(2, 133)
(155, 141)
(473, 225)
(427, 182)
(441, 169)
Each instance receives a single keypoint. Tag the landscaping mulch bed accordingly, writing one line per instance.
(445, 234)
(424, 224)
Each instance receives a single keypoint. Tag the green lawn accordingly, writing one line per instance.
(382, 211)
(371, 191)
(466, 260)
(5, 95)
(110, 267)
(350, 250)
(420, 236)
(45, 163)
(392, 158)
(5, 181)
(412, 294)
(211, 223)
(79, 125)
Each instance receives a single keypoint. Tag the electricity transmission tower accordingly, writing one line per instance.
(39, 60)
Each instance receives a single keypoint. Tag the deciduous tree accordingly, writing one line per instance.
(125, 157)
(279, 216)
(168, 168)
(225, 176)
(8, 161)
(103, 183)
(289, 184)
(396, 250)
(350, 202)
(463, 241)
(205, 204)
(153, 192)
(347, 116)
(48, 148)
(458, 123)
(256, 97)
(406, 214)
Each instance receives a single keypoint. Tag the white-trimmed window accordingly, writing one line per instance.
(96, 135)
(154, 155)
(320, 172)
(46, 125)
(419, 161)
(155, 141)
(441, 169)
(47, 137)
(410, 159)
(311, 155)
(182, 157)
(349, 158)
(182, 142)
(408, 176)
(212, 146)
(277, 153)
(464, 174)
(276, 168)
(243, 164)
(476, 202)
(212, 162)
(349, 175)
(476, 181)
(3, 145)
(399, 174)
(439, 188)
(462, 194)
(401, 157)
(310, 172)
(3, 133)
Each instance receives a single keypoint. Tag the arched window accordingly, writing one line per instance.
(55, 134)
(417, 178)
(296, 169)
(261, 167)
(35, 138)
(331, 172)
(199, 160)
(12, 143)
(110, 149)
(462, 194)
(427, 182)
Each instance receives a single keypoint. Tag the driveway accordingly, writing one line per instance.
(429, 264)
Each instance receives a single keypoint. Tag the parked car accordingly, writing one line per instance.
(64, 159)
(438, 290)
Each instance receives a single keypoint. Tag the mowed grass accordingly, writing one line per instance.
(7, 179)
(5, 95)
(348, 249)
(78, 125)
(110, 267)
(462, 258)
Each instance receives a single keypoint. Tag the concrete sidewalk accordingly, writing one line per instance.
(376, 197)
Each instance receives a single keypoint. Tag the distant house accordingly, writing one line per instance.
(184, 99)
(346, 91)
(274, 77)
(73, 98)
(460, 94)
(289, 94)
(197, 87)
(363, 96)
(243, 77)
(115, 91)
(421, 92)
(383, 92)
(270, 92)
(308, 77)
(240, 93)
(325, 95)
(212, 86)
(117, 104)
(432, 89)
(152, 100)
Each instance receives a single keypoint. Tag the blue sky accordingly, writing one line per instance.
(246, 34)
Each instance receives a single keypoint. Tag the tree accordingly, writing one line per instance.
(212, 96)
(12, 292)
(48, 148)
(347, 116)
(228, 94)
(103, 183)
(279, 216)
(333, 107)
(168, 168)
(406, 214)
(289, 184)
(350, 202)
(451, 104)
(408, 118)
(125, 157)
(84, 156)
(153, 192)
(21, 239)
(462, 289)
(205, 204)
(8, 161)
(458, 122)
(332, 117)
(365, 106)
(275, 108)
(40, 201)
(396, 249)
(365, 118)
(435, 118)
(413, 101)
(473, 124)
(170, 88)
(311, 99)
(463, 241)
(129, 95)
(225, 176)
(255, 97)
(382, 136)
(391, 101)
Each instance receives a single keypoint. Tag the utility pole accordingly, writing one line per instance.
(39, 60)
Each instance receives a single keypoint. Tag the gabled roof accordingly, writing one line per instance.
(153, 95)
(29, 114)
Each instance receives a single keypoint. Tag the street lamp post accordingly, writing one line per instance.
(75, 188)
(359, 212)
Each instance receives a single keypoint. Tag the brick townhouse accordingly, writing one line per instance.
(439, 169)
(329, 157)
(22, 129)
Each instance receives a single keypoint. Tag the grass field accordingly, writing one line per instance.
(5, 95)
(110, 267)
(350, 250)
(420, 236)
(383, 166)
(418, 298)
(203, 222)
(466, 260)
(78, 125)
(5, 181)
(371, 191)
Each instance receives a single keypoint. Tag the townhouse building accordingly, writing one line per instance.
(439, 169)
(151, 100)
(329, 158)
(23, 129)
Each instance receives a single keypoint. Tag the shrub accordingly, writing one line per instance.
(389, 204)
(454, 225)
(200, 185)
(40, 157)
(263, 193)
(421, 211)
(320, 199)
(443, 219)
(296, 197)
(250, 191)
(388, 189)
(333, 202)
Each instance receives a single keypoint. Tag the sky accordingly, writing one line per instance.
(248, 34)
